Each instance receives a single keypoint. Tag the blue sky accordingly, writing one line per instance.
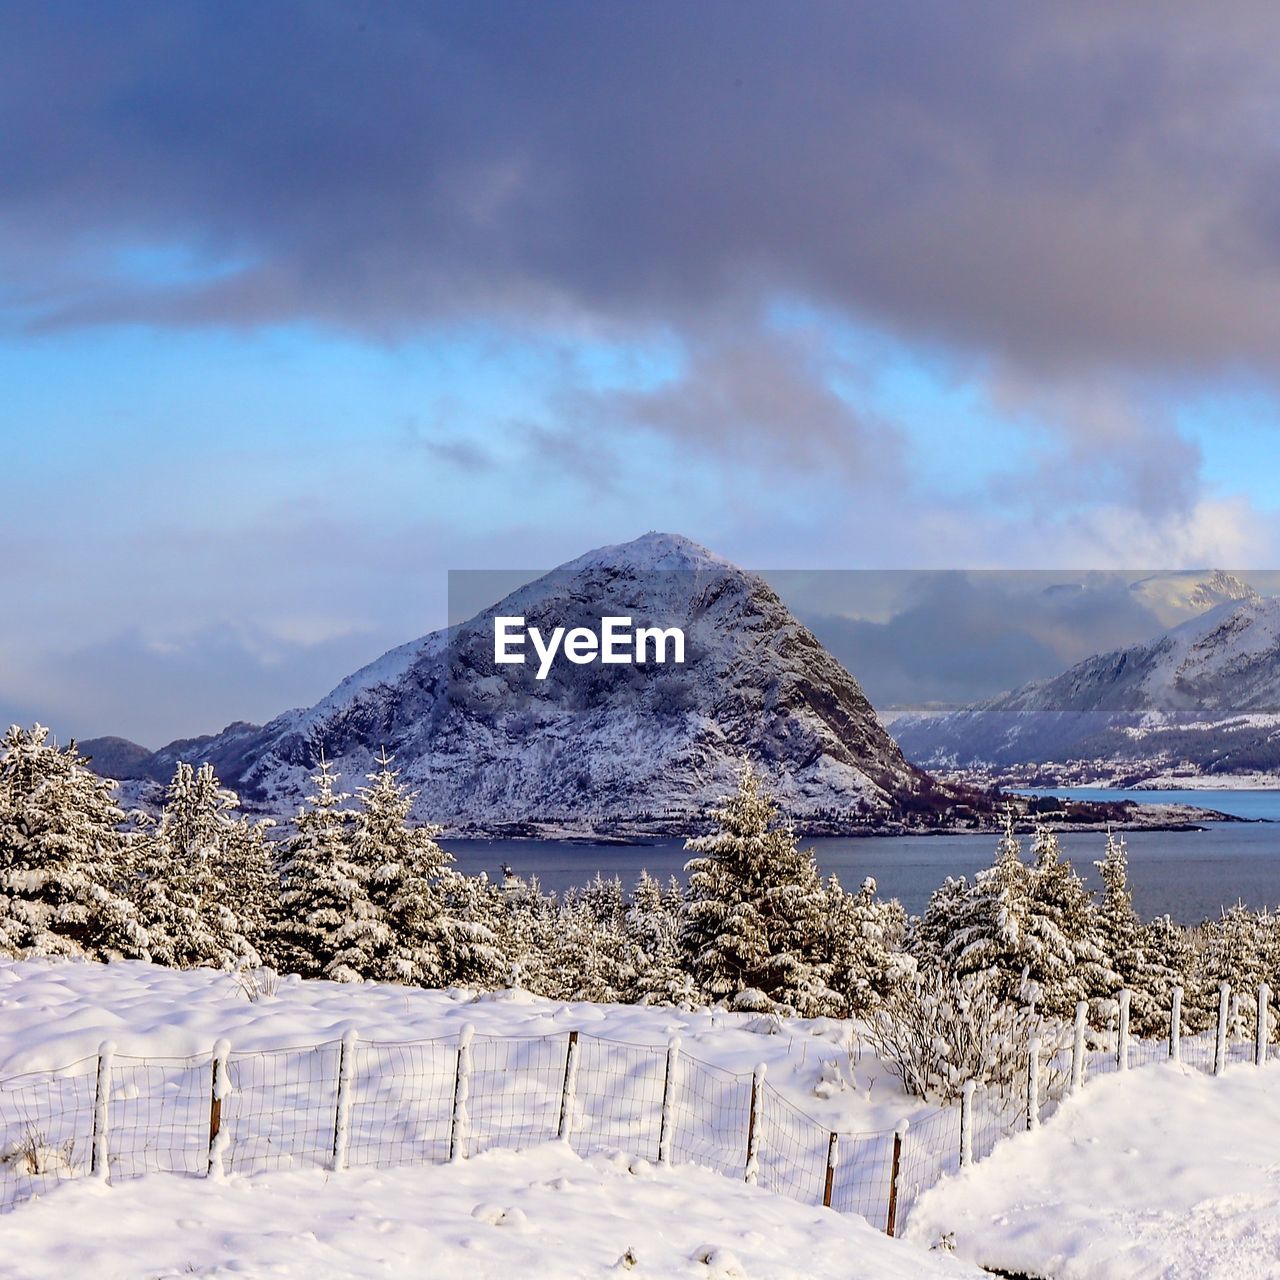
(303, 305)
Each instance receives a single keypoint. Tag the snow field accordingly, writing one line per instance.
(500, 1071)
(1163, 1173)
(541, 1214)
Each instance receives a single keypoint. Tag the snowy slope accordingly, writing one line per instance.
(1206, 691)
(1151, 1174)
(543, 1212)
(492, 748)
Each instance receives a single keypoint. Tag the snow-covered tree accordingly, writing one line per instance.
(183, 893)
(407, 934)
(989, 935)
(755, 909)
(63, 860)
(657, 960)
(1065, 956)
(865, 959)
(321, 891)
(1235, 949)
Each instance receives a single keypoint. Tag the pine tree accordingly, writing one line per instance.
(1126, 941)
(183, 896)
(320, 887)
(1065, 956)
(754, 914)
(64, 864)
(990, 932)
(865, 959)
(1235, 950)
(409, 936)
(652, 928)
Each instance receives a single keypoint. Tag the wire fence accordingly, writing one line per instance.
(355, 1103)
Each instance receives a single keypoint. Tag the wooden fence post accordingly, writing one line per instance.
(1033, 1083)
(895, 1166)
(342, 1110)
(833, 1159)
(1220, 1045)
(753, 1125)
(565, 1127)
(219, 1088)
(966, 1124)
(1261, 1032)
(666, 1124)
(1077, 1046)
(461, 1123)
(1175, 1026)
(98, 1157)
(1122, 1037)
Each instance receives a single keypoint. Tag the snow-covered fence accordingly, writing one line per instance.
(355, 1103)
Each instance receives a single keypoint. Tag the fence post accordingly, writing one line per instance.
(219, 1088)
(98, 1159)
(458, 1129)
(1033, 1083)
(1077, 1046)
(567, 1092)
(833, 1159)
(342, 1111)
(1122, 1038)
(966, 1124)
(1175, 1026)
(1233, 1024)
(1220, 1045)
(1260, 1042)
(753, 1125)
(891, 1222)
(665, 1126)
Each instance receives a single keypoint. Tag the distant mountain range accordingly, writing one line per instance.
(592, 748)
(1199, 701)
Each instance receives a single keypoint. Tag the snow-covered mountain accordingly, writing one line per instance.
(1202, 697)
(605, 748)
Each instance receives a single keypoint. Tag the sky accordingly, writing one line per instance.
(304, 305)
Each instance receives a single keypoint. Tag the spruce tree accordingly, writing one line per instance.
(320, 887)
(990, 932)
(754, 913)
(64, 863)
(188, 906)
(1065, 956)
(409, 935)
(865, 959)
(652, 928)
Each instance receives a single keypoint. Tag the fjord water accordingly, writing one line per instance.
(1190, 875)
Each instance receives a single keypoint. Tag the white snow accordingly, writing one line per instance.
(56, 1012)
(1156, 1173)
(543, 1213)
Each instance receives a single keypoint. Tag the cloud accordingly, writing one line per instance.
(1075, 187)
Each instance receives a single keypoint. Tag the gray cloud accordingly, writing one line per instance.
(1060, 185)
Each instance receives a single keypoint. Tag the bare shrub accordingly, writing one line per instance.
(256, 984)
(35, 1156)
(939, 1032)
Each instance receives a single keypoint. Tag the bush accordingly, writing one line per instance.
(939, 1032)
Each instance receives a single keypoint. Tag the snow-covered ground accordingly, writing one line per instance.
(56, 1012)
(536, 1214)
(542, 1211)
(1161, 1173)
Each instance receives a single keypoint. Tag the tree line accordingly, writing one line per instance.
(354, 892)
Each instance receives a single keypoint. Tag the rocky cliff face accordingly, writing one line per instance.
(624, 748)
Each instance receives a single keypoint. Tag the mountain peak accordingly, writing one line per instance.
(651, 551)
